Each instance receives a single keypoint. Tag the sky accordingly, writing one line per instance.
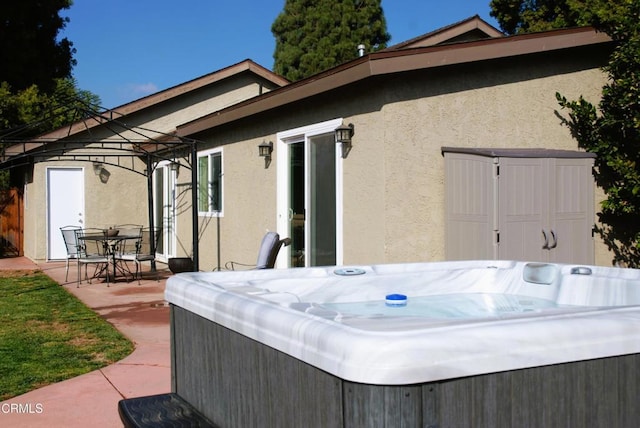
(127, 49)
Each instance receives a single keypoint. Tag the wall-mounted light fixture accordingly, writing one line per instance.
(175, 167)
(344, 134)
(264, 150)
(97, 167)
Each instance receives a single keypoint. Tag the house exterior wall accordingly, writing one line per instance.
(123, 199)
(394, 175)
(518, 114)
(165, 117)
(249, 207)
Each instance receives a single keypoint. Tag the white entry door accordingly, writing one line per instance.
(65, 206)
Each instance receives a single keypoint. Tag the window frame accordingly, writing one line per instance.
(210, 154)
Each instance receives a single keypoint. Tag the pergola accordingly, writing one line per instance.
(104, 138)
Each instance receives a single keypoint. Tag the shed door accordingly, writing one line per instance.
(523, 209)
(65, 206)
(546, 210)
(571, 211)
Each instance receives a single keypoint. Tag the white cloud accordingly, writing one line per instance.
(142, 89)
(133, 91)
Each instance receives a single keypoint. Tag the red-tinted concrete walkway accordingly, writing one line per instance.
(90, 400)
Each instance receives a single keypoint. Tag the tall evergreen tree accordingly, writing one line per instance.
(37, 91)
(30, 52)
(313, 36)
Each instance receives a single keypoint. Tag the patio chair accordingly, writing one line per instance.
(145, 250)
(125, 249)
(128, 230)
(93, 249)
(267, 255)
(71, 243)
(127, 246)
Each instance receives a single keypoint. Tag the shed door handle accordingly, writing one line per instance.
(555, 240)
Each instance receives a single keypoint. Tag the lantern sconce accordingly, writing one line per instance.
(175, 167)
(265, 149)
(97, 167)
(344, 135)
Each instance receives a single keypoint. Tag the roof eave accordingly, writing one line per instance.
(389, 62)
(166, 95)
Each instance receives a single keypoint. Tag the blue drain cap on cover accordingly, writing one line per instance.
(396, 300)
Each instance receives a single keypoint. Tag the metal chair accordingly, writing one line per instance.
(125, 249)
(145, 250)
(267, 254)
(93, 249)
(71, 243)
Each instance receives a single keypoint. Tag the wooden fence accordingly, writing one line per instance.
(11, 223)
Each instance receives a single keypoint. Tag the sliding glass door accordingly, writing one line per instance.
(310, 209)
(164, 185)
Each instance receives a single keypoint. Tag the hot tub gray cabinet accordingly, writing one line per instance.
(575, 365)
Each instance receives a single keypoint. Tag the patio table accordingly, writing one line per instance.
(110, 244)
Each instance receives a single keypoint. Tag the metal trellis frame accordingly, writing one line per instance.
(101, 138)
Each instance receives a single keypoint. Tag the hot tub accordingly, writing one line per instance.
(443, 344)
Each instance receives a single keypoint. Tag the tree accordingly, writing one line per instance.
(30, 112)
(313, 36)
(37, 92)
(612, 132)
(527, 16)
(612, 129)
(30, 53)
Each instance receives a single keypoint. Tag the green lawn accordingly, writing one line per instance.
(48, 335)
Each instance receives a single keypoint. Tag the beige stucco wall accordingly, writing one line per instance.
(394, 175)
(521, 114)
(249, 209)
(164, 118)
(511, 105)
(122, 199)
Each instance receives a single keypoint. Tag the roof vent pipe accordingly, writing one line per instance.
(361, 50)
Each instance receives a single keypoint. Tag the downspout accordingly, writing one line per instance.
(194, 206)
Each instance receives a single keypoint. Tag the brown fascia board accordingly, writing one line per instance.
(167, 94)
(442, 35)
(315, 85)
(397, 61)
(487, 49)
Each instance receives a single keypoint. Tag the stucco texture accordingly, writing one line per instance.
(393, 178)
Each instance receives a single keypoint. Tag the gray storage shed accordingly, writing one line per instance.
(519, 204)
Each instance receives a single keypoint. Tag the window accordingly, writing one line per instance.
(210, 182)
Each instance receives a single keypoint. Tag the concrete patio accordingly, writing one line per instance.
(140, 313)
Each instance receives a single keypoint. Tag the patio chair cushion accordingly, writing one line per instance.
(269, 240)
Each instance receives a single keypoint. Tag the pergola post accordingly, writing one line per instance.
(152, 231)
(194, 205)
